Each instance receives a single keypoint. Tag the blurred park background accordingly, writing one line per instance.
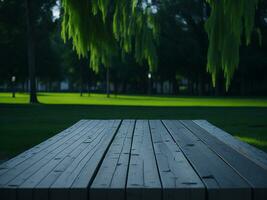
(179, 88)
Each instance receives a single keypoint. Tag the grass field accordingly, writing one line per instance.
(132, 100)
(23, 125)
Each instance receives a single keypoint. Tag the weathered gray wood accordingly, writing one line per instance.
(8, 191)
(40, 147)
(251, 152)
(110, 159)
(35, 162)
(15, 170)
(16, 176)
(48, 173)
(253, 173)
(111, 177)
(143, 177)
(178, 177)
(221, 180)
(36, 172)
(74, 181)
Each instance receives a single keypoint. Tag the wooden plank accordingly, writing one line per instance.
(178, 177)
(18, 169)
(39, 169)
(254, 154)
(74, 181)
(253, 173)
(167, 160)
(221, 180)
(111, 177)
(4, 167)
(47, 174)
(18, 175)
(143, 177)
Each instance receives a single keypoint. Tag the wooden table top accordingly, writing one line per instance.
(137, 159)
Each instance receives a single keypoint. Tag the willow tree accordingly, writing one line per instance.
(99, 27)
(230, 21)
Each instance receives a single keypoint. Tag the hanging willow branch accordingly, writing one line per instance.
(229, 21)
(99, 27)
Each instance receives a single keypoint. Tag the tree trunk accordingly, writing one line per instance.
(81, 81)
(200, 84)
(107, 80)
(175, 87)
(190, 87)
(219, 86)
(149, 86)
(31, 52)
(13, 89)
(88, 88)
(116, 87)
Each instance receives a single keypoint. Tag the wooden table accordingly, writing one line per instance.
(137, 159)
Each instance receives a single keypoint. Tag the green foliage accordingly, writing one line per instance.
(98, 27)
(230, 20)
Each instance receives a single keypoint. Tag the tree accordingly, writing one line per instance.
(31, 51)
(32, 7)
(32, 21)
(97, 26)
(228, 22)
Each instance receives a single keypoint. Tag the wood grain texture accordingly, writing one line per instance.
(137, 160)
(178, 177)
(44, 146)
(249, 170)
(221, 180)
(47, 174)
(254, 154)
(111, 177)
(143, 178)
(75, 180)
(17, 175)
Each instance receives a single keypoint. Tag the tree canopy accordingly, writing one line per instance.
(229, 21)
(180, 46)
(99, 27)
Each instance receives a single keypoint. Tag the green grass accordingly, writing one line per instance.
(23, 125)
(133, 100)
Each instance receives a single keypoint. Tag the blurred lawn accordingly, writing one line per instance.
(23, 125)
(133, 100)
